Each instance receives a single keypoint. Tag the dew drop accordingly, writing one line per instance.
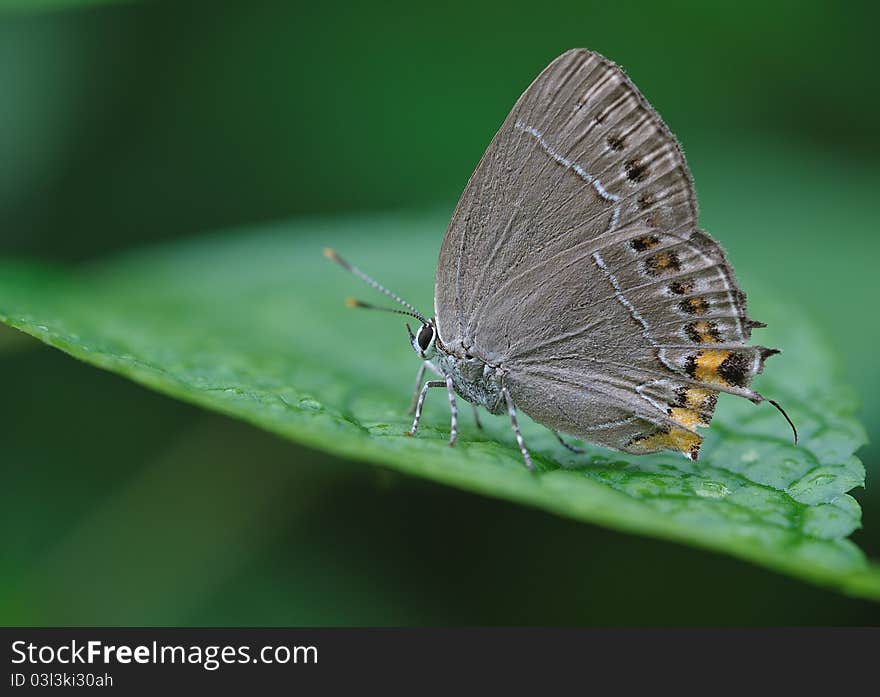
(711, 490)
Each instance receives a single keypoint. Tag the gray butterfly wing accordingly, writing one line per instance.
(580, 152)
(633, 360)
(573, 261)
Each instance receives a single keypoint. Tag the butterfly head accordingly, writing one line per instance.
(423, 341)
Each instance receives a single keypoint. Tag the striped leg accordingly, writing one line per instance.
(420, 403)
(579, 451)
(415, 397)
(453, 410)
(519, 439)
(477, 417)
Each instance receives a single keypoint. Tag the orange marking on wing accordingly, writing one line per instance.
(641, 244)
(697, 408)
(695, 397)
(679, 439)
(707, 364)
(662, 260)
(689, 418)
(706, 331)
(697, 306)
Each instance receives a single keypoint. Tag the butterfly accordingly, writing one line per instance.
(574, 283)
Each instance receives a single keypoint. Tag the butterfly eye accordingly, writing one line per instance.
(426, 335)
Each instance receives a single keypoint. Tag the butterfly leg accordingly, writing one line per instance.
(519, 439)
(453, 410)
(428, 385)
(579, 451)
(415, 397)
(477, 417)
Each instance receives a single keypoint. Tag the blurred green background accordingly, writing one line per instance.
(127, 124)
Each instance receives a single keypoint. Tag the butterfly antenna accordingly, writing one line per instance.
(790, 422)
(354, 302)
(413, 312)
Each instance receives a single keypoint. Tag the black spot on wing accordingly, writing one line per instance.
(635, 171)
(615, 142)
(644, 243)
(735, 369)
(694, 306)
(662, 262)
(681, 287)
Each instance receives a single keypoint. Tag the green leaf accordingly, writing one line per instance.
(252, 324)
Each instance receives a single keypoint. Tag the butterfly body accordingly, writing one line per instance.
(472, 379)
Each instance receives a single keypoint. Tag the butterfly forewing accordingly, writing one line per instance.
(580, 153)
(573, 261)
